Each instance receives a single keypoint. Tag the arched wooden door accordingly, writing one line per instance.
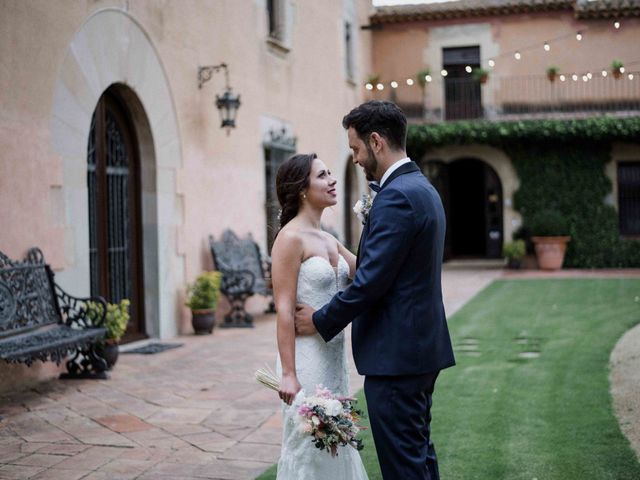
(115, 237)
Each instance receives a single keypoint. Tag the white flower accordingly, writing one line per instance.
(362, 207)
(334, 408)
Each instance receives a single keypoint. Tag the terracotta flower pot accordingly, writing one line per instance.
(550, 251)
(483, 79)
(203, 321)
(552, 76)
(616, 73)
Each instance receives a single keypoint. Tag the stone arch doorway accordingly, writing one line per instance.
(115, 208)
(133, 70)
(471, 193)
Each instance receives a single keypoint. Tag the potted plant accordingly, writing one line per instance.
(481, 75)
(552, 72)
(514, 252)
(373, 79)
(550, 235)
(617, 68)
(202, 299)
(115, 322)
(421, 77)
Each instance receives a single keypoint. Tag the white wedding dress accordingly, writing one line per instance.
(318, 362)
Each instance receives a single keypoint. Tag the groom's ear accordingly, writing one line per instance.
(376, 141)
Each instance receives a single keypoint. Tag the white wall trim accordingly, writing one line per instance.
(110, 48)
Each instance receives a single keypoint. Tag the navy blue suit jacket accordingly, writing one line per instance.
(395, 299)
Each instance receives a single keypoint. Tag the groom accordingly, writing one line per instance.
(399, 334)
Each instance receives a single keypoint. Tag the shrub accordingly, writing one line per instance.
(204, 292)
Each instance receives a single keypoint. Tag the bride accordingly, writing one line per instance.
(309, 266)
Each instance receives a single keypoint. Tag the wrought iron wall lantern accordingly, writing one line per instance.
(227, 103)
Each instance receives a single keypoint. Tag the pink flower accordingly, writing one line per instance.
(323, 392)
(304, 410)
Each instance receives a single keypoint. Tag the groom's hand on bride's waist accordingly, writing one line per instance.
(304, 320)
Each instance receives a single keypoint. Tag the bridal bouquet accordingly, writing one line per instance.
(329, 419)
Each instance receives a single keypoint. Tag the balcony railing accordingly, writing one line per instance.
(528, 97)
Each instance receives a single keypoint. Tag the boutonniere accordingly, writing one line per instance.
(362, 207)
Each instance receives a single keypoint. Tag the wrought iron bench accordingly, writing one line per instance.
(40, 321)
(245, 272)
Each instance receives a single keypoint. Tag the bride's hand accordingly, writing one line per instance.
(289, 387)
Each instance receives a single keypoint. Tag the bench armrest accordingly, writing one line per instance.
(235, 282)
(74, 309)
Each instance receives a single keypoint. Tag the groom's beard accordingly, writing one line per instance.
(371, 165)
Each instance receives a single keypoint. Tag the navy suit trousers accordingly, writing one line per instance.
(400, 414)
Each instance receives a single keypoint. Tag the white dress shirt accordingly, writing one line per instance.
(390, 170)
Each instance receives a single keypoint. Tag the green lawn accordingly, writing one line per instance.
(499, 415)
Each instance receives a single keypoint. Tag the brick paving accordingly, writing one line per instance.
(193, 412)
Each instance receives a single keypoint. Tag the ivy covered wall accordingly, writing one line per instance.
(560, 165)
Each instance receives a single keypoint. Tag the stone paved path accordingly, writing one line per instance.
(190, 413)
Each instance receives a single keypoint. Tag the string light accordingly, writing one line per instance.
(518, 56)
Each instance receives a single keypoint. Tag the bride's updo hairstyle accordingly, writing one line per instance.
(291, 180)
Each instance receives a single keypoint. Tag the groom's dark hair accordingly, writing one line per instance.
(382, 117)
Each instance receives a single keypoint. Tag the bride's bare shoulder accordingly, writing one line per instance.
(288, 244)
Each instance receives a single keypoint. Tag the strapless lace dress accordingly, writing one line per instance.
(318, 362)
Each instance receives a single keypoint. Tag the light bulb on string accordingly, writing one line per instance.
(562, 78)
(369, 86)
(585, 78)
(574, 77)
(630, 76)
(380, 86)
(604, 73)
(467, 69)
(616, 25)
(621, 69)
(579, 36)
(589, 75)
(428, 78)
(547, 47)
(517, 55)
(394, 84)
(492, 63)
(444, 73)
(410, 81)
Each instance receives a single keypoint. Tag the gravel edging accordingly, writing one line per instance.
(624, 381)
